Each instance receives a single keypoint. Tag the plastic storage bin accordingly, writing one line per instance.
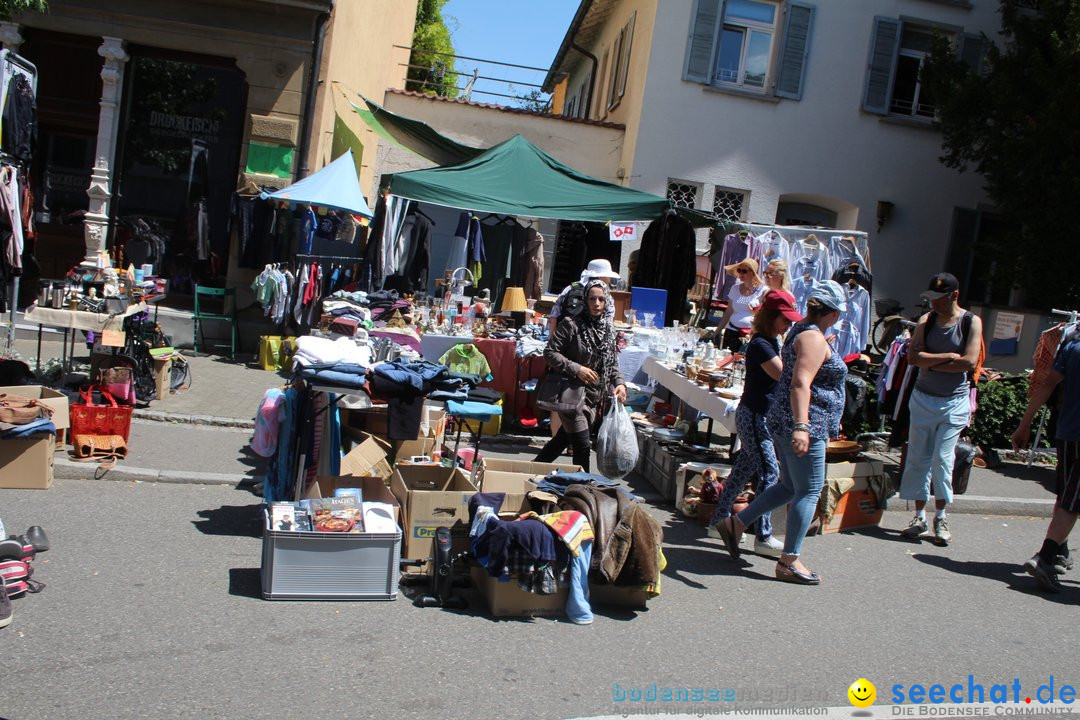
(329, 566)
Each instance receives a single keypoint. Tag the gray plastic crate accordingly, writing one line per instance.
(330, 566)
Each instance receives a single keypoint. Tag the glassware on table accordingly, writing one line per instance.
(650, 319)
(631, 317)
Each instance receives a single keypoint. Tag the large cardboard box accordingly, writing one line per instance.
(516, 478)
(162, 377)
(56, 400)
(856, 508)
(506, 599)
(432, 434)
(27, 463)
(367, 459)
(333, 566)
(432, 496)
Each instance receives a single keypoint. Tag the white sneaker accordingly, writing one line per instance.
(769, 547)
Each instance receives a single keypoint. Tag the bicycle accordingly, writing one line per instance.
(890, 322)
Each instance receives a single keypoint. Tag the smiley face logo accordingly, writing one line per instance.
(862, 693)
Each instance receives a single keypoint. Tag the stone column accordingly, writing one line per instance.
(96, 225)
(10, 37)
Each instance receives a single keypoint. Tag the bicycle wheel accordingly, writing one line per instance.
(884, 332)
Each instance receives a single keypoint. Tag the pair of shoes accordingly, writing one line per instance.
(789, 574)
(942, 536)
(915, 529)
(1045, 575)
(5, 606)
(1061, 566)
(769, 547)
(726, 527)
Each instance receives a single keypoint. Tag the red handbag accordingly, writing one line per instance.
(90, 419)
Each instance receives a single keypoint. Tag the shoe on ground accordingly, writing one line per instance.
(1045, 576)
(1061, 566)
(915, 529)
(714, 531)
(5, 607)
(942, 536)
(769, 547)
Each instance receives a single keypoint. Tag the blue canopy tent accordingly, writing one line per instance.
(335, 186)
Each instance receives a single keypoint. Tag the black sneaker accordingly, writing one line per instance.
(5, 606)
(942, 536)
(1061, 566)
(915, 529)
(1045, 575)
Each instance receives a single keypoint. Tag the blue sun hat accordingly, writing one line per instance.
(830, 294)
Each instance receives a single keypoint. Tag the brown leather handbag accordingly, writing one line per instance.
(19, 410)
(104, 449)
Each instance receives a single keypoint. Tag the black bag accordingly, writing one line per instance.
(573, 302)
(560, 393)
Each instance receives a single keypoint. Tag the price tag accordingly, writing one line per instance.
(113, 338)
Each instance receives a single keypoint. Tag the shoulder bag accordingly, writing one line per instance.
(560, 393)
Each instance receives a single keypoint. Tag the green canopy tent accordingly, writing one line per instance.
(517, 178)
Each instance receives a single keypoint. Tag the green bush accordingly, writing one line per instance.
(1001, 404)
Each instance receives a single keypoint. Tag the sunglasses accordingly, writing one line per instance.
(741, 271)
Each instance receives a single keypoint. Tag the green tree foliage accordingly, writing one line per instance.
(534, 101)
(433, 73)
(8, 8)
(1017, 123)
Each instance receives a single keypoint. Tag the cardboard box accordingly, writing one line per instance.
(858, 507)
(27, 463)
(432, 496)
(516, 478)
(506, 599)
(860, 468)
(333, 566)
(56, 400)
(162, 377)
(367, 459)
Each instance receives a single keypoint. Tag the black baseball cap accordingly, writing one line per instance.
(941, 285)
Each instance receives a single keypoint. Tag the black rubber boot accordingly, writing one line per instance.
(554, 448)
(582, 448)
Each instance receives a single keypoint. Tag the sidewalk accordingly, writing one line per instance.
(208, 429)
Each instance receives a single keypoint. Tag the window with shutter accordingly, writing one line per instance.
(886, 37)
(898, 52)
(620, 63)
(737, 44)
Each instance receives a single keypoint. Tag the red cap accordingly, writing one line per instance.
(783, 301)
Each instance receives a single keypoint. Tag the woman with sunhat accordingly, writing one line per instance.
(743, 298)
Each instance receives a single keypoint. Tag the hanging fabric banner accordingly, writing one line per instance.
(617, 232)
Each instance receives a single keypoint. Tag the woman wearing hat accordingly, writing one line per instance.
(742, 300)
(803, 415)
(758, 457)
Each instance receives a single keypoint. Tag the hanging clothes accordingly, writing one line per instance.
(809, 257)
(853, 328)
(772, 246)
(466, 235)
(533, 261)
(666, 259)
(737, 247)
(19, 122)
(801, 287)
(9, 199)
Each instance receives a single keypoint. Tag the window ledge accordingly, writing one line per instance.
(962, 4)
(910, 122)
(748, 94)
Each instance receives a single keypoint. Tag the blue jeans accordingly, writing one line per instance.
(578, 608)
(801, 479)
(936, 424)
(757, 457)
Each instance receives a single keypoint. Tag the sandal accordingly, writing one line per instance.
(789, 574)
(731, 538)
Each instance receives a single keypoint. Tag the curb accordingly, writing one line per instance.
(212, 420)
(984, 505)
(65, 469)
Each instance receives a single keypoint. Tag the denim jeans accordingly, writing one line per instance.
(801, 479)
(578, 608)
(936, 424)
(757, 457)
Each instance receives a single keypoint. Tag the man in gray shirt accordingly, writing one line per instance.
(945, 347)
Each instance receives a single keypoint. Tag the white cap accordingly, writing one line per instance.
(599, 268)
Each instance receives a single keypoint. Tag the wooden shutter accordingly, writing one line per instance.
(624, 61)
(973, 52)
(702, 38)
(796, 49)
(879, 75)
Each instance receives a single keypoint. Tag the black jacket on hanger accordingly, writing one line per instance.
(666, 260)
(19, 119)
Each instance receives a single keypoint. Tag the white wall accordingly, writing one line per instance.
(822, 145)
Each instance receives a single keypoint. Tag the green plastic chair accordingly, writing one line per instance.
(226, 298)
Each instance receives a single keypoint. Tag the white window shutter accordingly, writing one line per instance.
(699, 45)
(882, 64)
(796, 49)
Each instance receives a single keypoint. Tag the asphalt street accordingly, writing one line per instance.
(152, 609)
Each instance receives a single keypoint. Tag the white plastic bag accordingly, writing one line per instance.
(616, 443)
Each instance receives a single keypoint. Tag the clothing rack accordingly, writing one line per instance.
(340, 258)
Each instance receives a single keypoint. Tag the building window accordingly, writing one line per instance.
(620, 63)
(909, 96)
(898, 52)
(682, 194)
(746, 40)
(755, 45)
(728, 205)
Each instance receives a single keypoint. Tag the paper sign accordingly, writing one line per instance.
(112, 338)
(617, 232)
(1008, 326)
